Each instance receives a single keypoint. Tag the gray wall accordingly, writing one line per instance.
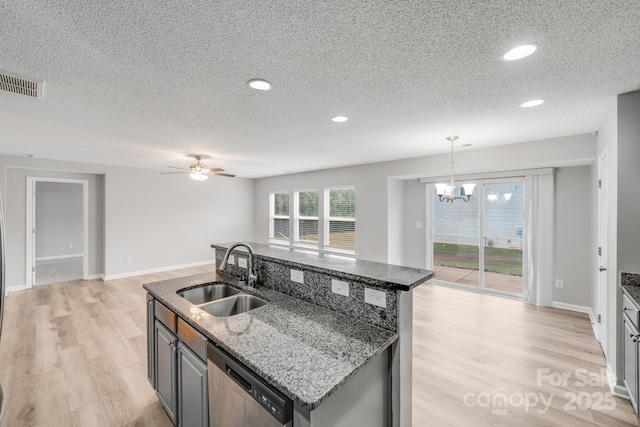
(628, 202)
(373, 191)
(16, 170)
(59, 219)
(573, 235)
(160, 221)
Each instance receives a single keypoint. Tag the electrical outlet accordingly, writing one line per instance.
(70, 245)
(340, 287)
(129, 260)
(559, 283)
(418, 224)
(231, 260)
(379, 298)
(242, 262)
(297, 276)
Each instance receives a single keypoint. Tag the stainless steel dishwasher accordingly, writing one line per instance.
(240, 398)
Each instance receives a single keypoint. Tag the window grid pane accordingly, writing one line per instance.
(280, 229)
(342, 234)
(342, 203)
(281, 204)
(308, 230)
(308, 203)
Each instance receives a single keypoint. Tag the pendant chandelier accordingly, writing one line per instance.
(446, 192)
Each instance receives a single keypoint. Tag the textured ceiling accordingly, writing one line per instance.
(144, 83)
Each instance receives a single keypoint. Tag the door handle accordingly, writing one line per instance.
(602, 268)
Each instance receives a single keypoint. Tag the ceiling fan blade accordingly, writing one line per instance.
(223, 174)
(175, 167)
(168, 173)
(216, 169)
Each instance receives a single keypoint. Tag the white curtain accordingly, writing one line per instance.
(538, 239)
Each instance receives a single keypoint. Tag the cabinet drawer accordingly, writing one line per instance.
(165, 316)
(630, 309)
(193, 339)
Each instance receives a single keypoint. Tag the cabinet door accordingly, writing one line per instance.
(151, 365)
(631, 362)
(192, 389)
(166, 370)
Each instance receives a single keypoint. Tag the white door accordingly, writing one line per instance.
(603, 222)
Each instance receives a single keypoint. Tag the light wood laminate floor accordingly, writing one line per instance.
(478, 359)
(74, 354)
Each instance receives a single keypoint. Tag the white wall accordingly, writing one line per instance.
(371, 181)
(160, 221)
(59, 219)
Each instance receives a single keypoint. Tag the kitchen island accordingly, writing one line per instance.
(330, 354)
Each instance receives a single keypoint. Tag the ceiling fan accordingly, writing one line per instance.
(200, 172)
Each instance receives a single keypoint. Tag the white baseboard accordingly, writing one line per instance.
(580, 309)
(15, 288)
(616, 389)
(94, 277)
(47, 258)
(156, 270)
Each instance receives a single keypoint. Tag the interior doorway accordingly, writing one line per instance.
(57, 230)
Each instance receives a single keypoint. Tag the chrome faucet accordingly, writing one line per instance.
(253, 276)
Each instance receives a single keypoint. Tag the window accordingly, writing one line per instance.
(340, 219)
(279, 221)
(323, 219)
(306, 220)
(479, 243)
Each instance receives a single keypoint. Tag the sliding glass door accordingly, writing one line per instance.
(478, 244)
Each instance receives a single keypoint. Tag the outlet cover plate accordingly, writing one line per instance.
(559, 283)
(297, 276)
(242, 262)
(339, 287)
(379, 298)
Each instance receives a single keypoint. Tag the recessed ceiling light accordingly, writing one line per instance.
(339, 119)
(532, 103)
(519, 52)
(259, 84)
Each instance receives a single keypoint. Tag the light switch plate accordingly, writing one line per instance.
(297, 276)
(339, 287)
(242, 262)
(231, 260)
(379, 298)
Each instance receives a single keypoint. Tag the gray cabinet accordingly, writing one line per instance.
(176, 367)
(151, 364)
(193, 410)
(631, 349)
(631, 361)
(166, 370)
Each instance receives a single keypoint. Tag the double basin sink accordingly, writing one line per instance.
(221, 300)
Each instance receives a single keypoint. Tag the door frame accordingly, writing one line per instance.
(602, 243)
(31, 225)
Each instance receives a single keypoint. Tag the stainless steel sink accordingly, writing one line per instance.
(207, 293)
(233, 305)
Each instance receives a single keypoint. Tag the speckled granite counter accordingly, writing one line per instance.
(631, 284)
(392, 276)
(303, 350)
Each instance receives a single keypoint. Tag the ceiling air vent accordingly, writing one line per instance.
(20, 85)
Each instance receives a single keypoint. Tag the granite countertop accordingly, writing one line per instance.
(631, 284)
(394, 276)
(303, 350)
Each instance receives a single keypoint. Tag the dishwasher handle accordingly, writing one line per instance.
(246, 385)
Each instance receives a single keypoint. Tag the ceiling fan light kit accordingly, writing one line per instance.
(200, 172)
